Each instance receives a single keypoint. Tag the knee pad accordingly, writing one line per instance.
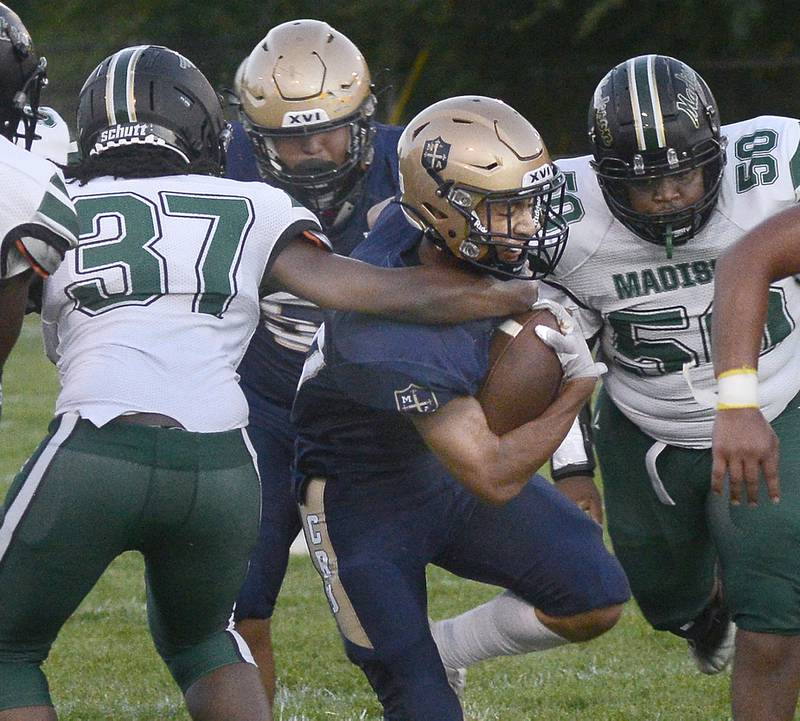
(23, 684)
(220, 649)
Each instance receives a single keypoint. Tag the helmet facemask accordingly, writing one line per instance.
(321, 186)
(491, 239)
(673, 228)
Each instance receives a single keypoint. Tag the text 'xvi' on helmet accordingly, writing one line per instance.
(653, 117)
(477, 178)
(305, 78)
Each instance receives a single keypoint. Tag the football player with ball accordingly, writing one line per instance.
(147, 319)
(397, 466)
(666, 192)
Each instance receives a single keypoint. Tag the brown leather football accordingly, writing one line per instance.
(524, 373)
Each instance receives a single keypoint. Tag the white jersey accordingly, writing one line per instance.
(155, 308)
(654, 313)
(37, 219)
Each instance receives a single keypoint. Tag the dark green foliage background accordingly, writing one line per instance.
(542, 57)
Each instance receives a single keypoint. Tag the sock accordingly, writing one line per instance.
(504, 626)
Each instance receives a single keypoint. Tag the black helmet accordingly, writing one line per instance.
(22, 76)
(151, 95)
(650, 117)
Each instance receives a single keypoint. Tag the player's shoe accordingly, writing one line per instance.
(713, 652)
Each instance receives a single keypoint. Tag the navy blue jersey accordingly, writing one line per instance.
(353, 411)
(274, 359)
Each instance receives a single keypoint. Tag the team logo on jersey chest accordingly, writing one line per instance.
(415, 399)
(434, 154)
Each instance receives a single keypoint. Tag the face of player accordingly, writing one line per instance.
(668, 194)
(315, 152)
(515, 218)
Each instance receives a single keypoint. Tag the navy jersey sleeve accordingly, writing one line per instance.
(240, 160)
(404, 367)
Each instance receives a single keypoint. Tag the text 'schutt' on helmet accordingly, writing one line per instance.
(305, 77)
(467, 160)
(22, 76)
(650, 117)
(151, 95)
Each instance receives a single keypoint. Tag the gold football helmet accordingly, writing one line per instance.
(305, 77)
(467, 165)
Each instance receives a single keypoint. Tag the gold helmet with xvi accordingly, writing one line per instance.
(466, 165)
(305, 77)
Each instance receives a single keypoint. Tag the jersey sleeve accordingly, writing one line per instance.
(283, 219)
(405, 368)
(38, 239)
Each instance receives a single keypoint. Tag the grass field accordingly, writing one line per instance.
(103, 665)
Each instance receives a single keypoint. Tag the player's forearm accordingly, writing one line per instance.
(13, 297)
(742, 277)
(422, 294)
(428, 294)
(518, 454)
(740, 309)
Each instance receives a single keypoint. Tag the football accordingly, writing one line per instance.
(524, 373)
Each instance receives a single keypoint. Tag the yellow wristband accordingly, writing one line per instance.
(737, 388)
(741, 371)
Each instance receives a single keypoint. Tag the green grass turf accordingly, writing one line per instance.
(103, 666)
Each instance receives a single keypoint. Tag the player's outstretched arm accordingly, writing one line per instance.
(744, 443)
(423, 294)
(495, 468)
(13, 299)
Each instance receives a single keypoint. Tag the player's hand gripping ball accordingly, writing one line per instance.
(524, 375)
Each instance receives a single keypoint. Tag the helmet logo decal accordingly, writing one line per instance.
(20, 40)
(689, 103)
(434, 154)
(123, 132)
(646, 103)
(313, 116)
(601, 118)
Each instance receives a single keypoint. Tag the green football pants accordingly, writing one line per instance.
(189, 502)
(672, 535)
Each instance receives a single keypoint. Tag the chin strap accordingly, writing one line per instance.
(669, 242)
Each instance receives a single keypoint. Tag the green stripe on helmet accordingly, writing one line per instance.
(122, 105)
(648, 119)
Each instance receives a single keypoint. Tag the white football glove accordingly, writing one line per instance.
(569, 345)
